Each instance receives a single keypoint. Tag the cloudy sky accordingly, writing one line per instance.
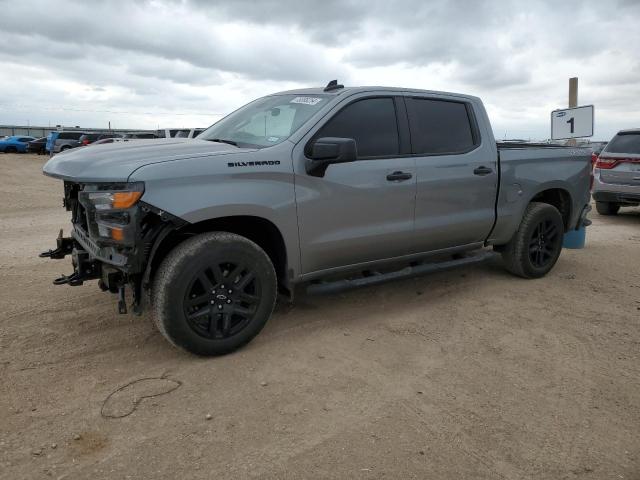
(185, 63)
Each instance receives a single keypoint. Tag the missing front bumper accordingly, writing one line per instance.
(84, 268)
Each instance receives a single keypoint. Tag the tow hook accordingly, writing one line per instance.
(73, 280)
(84, 269)
(64, 247)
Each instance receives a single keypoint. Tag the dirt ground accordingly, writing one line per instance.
(466, 374)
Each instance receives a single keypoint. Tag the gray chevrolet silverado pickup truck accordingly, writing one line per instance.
(321, 186)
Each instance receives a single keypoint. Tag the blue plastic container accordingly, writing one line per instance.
(575, 238)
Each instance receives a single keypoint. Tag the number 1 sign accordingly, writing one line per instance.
(572, 123)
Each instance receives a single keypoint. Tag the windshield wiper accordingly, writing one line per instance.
(223, 140)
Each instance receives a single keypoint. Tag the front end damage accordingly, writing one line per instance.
(113, 239)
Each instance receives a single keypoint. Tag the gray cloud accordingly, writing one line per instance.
(198, 56)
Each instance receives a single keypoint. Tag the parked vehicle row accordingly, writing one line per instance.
(60, 141)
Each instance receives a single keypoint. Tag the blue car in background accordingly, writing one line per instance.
(15, 144)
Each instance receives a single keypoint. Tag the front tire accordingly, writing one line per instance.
(607, 208)
(536, 246)
(213, 293)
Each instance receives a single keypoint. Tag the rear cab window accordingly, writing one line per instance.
(441, 127)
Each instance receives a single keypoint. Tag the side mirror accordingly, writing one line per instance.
(327, 150)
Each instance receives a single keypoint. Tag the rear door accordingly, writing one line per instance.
(619, 162)
(360, 211)
(457, 173)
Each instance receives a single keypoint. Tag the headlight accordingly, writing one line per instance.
(110, 209)
(112, 196)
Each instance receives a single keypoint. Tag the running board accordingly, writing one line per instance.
(374, 278)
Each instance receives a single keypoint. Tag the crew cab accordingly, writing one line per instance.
(323, 187)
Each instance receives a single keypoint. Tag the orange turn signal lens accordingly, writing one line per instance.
(117, 234)
(125, 199)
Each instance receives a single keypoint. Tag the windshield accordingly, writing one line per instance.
(266, 121)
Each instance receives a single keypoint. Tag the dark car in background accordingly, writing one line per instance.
(38, 146)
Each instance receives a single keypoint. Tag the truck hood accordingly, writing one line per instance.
(115, 162)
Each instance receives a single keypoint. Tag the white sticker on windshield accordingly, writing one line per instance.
(273, 139)
(306, 100)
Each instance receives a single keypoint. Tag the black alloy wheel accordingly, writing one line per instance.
(536, 245)
(544, 243)
(222, 299)
(213, 293)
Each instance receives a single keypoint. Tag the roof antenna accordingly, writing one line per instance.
(332, 85)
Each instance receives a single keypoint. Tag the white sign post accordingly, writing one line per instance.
(572, 123)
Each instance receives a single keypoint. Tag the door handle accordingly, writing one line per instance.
(482, 171)
(399, 176)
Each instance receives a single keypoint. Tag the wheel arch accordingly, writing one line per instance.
(558, 197)
(259, 230)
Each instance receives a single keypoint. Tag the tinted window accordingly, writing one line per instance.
(70, 135)
(439, 126)
(624, 143)
(371, 123)
(25, 139)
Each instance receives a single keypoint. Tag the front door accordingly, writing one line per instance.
(360, 211)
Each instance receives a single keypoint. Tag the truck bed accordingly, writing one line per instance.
(529, 168)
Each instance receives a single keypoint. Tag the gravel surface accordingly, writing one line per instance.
(466, 374)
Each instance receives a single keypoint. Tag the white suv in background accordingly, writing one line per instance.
(180, 132)
(617, 173)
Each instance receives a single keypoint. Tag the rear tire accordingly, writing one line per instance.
(607, 208)
(536, 245)
(11, 150)
(213, 293)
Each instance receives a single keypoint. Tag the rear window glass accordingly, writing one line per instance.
(439, 127)
(624, 143)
